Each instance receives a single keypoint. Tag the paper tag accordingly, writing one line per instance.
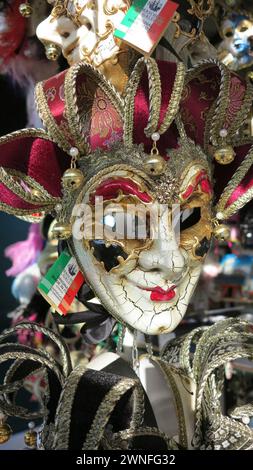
(61, 283)
(145, 22)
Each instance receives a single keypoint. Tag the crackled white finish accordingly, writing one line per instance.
(82, 39)
(163, 264)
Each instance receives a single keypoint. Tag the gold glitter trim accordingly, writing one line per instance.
(155, 96)
(104, 412)
(55, 133)
(168, 372)
(232, 185)
(71, 100)
(175, 98)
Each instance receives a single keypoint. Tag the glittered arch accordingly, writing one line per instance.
(236, 182)
(31, 167)
(80, 108)
(223, 101)
(97, 106)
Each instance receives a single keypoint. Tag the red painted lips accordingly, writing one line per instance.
(160, 295)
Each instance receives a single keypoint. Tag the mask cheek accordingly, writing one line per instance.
(112, 257)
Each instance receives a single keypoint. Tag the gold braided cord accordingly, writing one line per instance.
(24, 353)
(64, 408)
(71, 108)
(219, 350)
(116, 440)
(155, 96)
(104, 412)
(222, 103)
(21, 133)
(174, 99)
(232, 185)
(8, 383)
(130, 93)
(243, 113)
(51, 335)
(208, 335)
(154, 99)
(71, 100)
(9, 178)
(56, 134)
(217, 115)
(168, 372)
(238, 204)
(23, 214)
(21, 353)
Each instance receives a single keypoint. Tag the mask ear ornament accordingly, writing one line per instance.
(221, 231)
(52, 51)
(25, 9)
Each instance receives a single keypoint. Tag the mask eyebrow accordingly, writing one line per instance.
(110, 189)
(200, 179)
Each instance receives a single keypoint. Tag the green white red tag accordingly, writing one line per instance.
(145, 22)
(61, 283)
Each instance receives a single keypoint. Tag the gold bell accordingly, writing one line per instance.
(154, 164)
(52, 51)
(61, 230)
(250, 76)
(72, 179)
(30, 438)
(5, 432)
(221, 232)
(225, 155)
(25, 9)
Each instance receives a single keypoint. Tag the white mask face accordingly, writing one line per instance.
(83, 29)
(144, 282)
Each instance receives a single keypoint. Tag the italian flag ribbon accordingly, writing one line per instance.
(61, 283)
(145, 22)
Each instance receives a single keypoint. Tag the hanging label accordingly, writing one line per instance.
(145, 22)
(61, 283)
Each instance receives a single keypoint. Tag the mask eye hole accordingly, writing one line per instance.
(189, 217)
(228, 33)
(244, 26)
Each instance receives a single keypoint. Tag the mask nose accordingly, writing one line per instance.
(56, 30)
(165, 254)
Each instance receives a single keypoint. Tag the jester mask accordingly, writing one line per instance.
(138, 204)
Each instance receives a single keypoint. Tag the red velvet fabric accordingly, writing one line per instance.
(12, 32)
(37, 158)
(44, 162)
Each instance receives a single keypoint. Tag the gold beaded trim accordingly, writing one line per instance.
(233, 183)
(168, 372)
(155, 96)
(154, 99)
(55, 133)
(217, 114)
(175, 98)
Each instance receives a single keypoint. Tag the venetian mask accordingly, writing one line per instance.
(136, 212)
(83, 29)
(236, 49)
(142, 249)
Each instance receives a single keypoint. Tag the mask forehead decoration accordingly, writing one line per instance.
(190, 17)
(144, 281)
(83, 30)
